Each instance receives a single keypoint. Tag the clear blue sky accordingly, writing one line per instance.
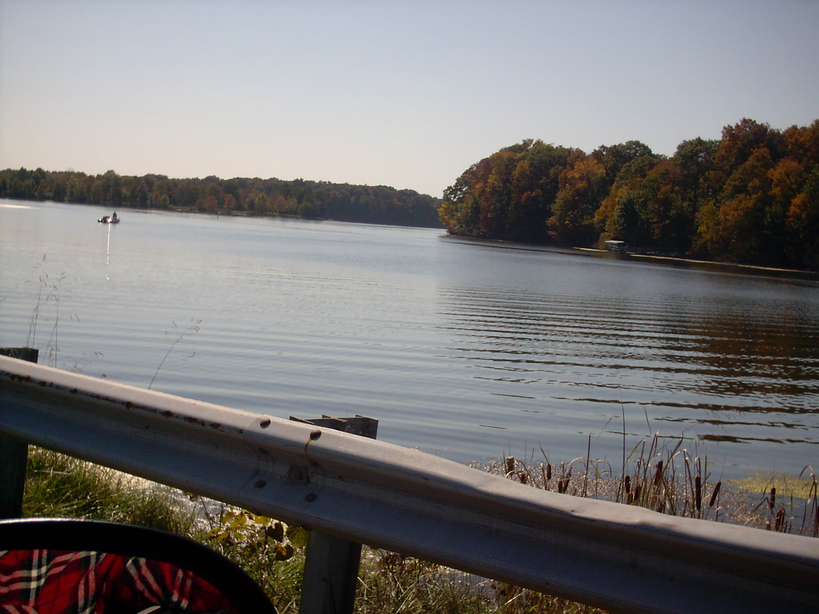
(402, 93)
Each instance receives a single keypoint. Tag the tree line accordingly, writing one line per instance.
(751, 197)
(239, 196)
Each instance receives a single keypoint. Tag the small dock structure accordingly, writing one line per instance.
(617, 247)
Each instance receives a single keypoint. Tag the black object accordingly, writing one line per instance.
(133, 541)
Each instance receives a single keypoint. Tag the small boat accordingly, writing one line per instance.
(109, 220)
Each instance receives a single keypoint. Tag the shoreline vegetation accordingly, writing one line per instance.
(238, 196)
(659, 476)
(750, 198)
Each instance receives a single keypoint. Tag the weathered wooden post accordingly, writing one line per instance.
(331, 564)
(13, 455)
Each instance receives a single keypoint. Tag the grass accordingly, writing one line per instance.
(192, 327)
(49, 291)
(61, 486)
(662, 477)
(395, 584)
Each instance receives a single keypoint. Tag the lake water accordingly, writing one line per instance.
(463, 349)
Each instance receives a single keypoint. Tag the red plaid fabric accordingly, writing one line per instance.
(60, 582)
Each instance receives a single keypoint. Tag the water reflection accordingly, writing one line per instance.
(684, 353)
(107, 251)
(457, 348)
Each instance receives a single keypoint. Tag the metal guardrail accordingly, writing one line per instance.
(618, 557)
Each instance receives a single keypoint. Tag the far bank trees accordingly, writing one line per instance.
(238, 196)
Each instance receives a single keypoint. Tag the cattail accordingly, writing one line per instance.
(510, 464)
(658, 475)
(523, 477)
(780, 520)
(628, 484)
(698, 493)
(637, 490)
(772, 502)
(714, 494)
(548, 471)
(563, 485)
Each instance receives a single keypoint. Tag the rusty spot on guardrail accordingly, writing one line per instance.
(298, 475)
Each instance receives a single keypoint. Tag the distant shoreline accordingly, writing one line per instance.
(708, 263)
(670, 260)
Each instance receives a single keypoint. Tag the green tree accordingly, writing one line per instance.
(459, 212)
(615, 157)
(535, 184)
(648, 211)
(507, 195)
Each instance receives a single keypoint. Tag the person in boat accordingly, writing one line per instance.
(114, 216)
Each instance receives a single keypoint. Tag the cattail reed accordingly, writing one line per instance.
(714, 494)
(563, 484)
(627, 488)
(654, 480)
(779, 525)
(658, 475)
(510, 464)
(546, 472)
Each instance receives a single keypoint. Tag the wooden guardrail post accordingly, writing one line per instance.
(13, 455)
(331, 564)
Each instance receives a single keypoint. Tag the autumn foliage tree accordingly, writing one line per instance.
(508, 195)
(750, 197)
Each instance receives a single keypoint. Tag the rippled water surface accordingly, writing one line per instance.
(466, 350)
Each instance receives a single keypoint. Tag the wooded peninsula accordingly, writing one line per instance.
(239, 196)
(751, 197)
